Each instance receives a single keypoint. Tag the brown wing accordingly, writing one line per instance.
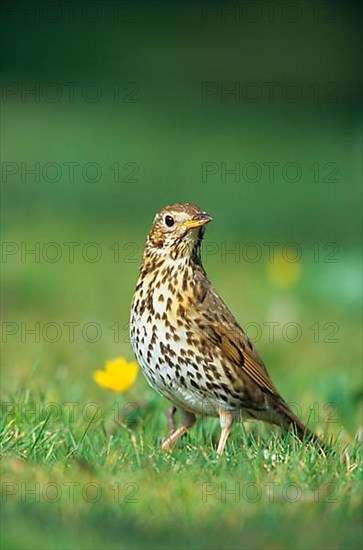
(223, 329)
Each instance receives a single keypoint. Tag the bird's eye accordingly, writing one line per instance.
(169, 221)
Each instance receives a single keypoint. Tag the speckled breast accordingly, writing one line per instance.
(163, 340)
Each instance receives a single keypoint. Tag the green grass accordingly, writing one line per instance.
(79, 482)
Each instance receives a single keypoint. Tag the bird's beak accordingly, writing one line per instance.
(198, 220)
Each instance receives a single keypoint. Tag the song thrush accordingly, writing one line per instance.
(190, 347)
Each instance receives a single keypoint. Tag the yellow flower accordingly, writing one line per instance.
(118, 375)
(283, 272)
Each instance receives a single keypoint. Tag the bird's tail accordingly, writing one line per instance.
(287, 420)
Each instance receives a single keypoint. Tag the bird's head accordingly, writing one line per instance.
(177, 231)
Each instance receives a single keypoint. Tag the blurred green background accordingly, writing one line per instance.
(135, 98)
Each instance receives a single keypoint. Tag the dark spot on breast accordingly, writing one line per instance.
(185, 280)
(181, 311)
(168, 361)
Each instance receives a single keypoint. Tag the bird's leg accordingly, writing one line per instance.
(188, 420)
(226, 420)
(170, 417)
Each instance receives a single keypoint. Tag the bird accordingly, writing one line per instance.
(190, 347)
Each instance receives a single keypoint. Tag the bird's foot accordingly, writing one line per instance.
(172, 438)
